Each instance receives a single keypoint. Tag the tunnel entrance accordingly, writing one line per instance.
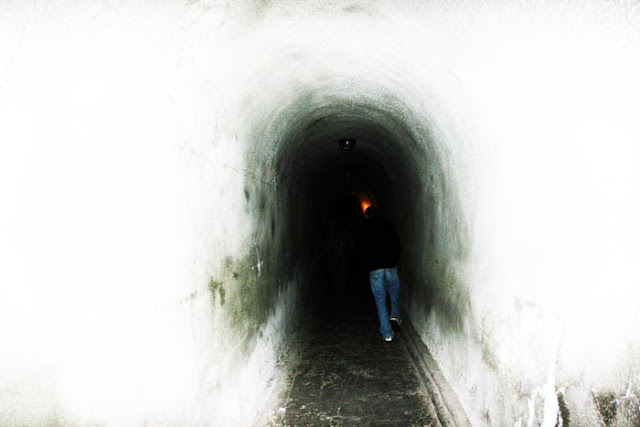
(314, 220)
(344, 371)
(324, 191)
(297, 175)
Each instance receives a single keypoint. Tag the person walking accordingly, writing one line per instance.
(381, 251)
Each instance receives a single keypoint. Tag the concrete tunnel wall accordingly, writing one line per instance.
(154, 162)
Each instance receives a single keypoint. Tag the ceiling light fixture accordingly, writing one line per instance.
(347, 144)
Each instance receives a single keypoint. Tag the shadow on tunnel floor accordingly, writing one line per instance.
(342, 373)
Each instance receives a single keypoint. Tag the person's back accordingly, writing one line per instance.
(380, 244)
(381, 250)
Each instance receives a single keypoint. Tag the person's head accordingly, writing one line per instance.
(371, 212)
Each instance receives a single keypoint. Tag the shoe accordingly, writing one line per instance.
(396, 323)
(388, 339)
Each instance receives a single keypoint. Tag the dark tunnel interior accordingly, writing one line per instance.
(324, 190)
(300, 183)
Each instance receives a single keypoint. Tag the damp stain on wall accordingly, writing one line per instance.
(247, 290)
(217, 291)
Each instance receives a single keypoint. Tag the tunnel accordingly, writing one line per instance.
(318, 181)
(323, 187)
(396, 165)
(171, 174)
(303, 181)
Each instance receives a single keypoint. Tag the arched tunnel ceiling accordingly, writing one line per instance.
(293, 112)
(384, 152)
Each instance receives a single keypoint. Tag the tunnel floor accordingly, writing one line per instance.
(342, 373)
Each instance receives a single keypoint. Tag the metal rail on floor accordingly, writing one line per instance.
(448, 408)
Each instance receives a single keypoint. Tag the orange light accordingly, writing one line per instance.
(364, 205)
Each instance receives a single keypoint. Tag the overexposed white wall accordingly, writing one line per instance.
(543, 136)
(122, 202)
(131, 222)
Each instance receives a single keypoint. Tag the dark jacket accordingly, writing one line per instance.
(380, 244)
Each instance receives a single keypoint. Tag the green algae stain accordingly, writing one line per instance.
(222, 292)
(217, 288)
(564, 417)
(606, 406)
(249, 294)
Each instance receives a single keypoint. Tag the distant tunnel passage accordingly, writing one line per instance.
(396, 164)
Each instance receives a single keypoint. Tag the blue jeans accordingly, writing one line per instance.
(383, 281)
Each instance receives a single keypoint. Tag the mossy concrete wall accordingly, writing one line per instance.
(152, 163)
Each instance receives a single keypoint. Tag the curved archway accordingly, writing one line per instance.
(396, 162)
